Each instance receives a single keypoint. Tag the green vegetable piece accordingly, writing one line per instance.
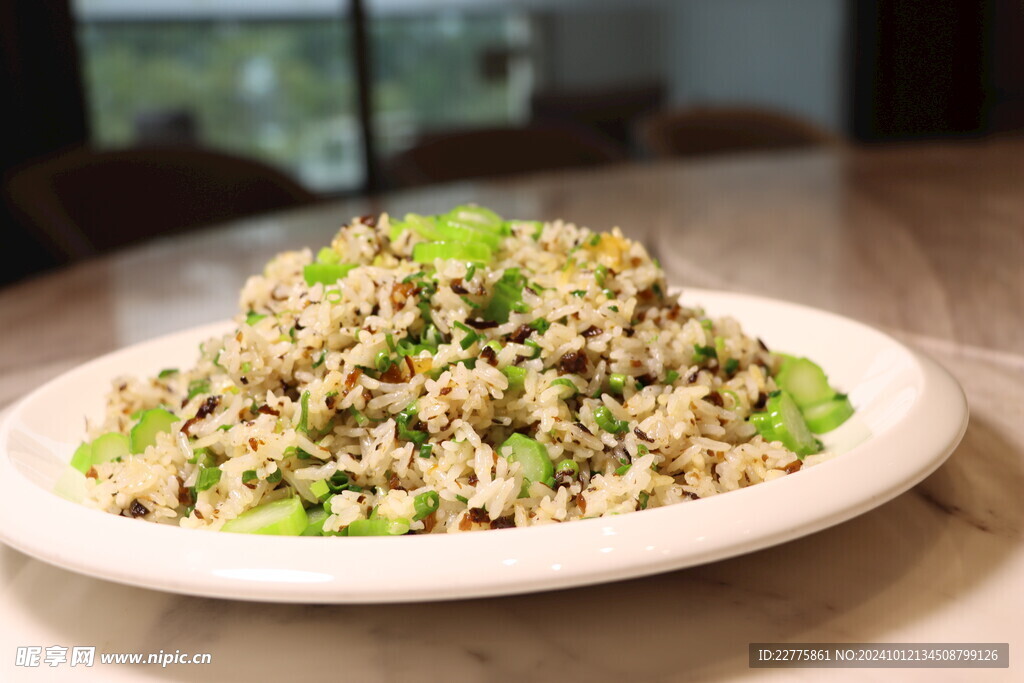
(249, 475)
(541, 325)
(453, 230)
(208, 478)
(533, 459)
(785, 423)
(361, 420)
(320, 488)
(606, 421)
(824, 417)
(507, 294)
(110, 446)
(763, 423)
(379, 527)
(325, 273)
(567, 467)
(167, 372)
(702, 353)
(152, 422)
(731, 366)
(516, 376)
(471, 335)
(426, 503)
(477, 217)
(566, 382)
(805, 381)
(199, 386)
(303, 425)
(426, 449)
(285, 517)
(671, 376)
(616, 383)
(736, 403)
(403, 418)
(82, 459)
(315, 519)
(328, 256)
(720, 348)
(251, 318)
(424, 226)
(204, 457)
(275, 476)
(428, 252)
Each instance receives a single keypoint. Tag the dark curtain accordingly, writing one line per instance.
(43, 110)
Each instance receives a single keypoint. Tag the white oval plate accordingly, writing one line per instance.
(910, 416)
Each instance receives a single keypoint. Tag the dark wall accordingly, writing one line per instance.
(43, 109)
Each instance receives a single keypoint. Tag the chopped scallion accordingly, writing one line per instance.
(606, 421)
(208, 478)
(541, 325)
(515, 374)
(617, 383)
(567, 467)
(566, 382)
(471, 335)
(197, 387)
(426, 503)
(702, 353)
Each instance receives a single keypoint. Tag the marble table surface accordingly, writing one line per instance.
(924, 242)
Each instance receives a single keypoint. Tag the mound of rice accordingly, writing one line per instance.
(595, 304)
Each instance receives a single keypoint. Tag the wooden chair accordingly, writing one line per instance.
(89, 201)
(491, 152)
(703, 131)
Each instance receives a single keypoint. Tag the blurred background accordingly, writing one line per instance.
(126, 120)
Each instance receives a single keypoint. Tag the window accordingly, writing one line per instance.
(275, 80)
(448, 70)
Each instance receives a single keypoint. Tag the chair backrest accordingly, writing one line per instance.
(612, 112)
(491, 152)
(88, 201)
(702, 131)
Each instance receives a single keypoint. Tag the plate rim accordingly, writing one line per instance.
(278, 579)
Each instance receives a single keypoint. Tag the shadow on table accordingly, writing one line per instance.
(862, 580)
